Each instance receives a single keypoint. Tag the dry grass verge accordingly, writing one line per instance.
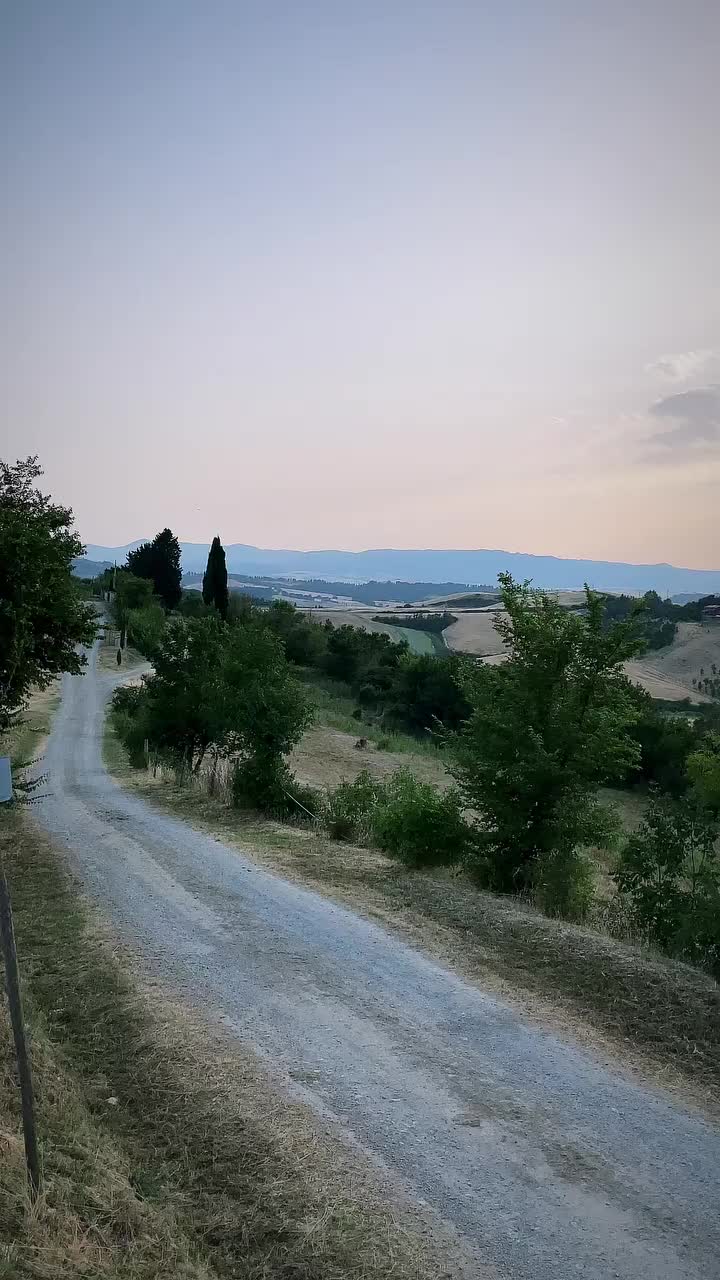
(166, 1153)
(647, 1012)
(27, 738)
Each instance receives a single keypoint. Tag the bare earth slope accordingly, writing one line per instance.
(549, 1163)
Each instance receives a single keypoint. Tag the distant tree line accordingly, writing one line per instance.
(364, 592)
(434, 623)
(658, 618)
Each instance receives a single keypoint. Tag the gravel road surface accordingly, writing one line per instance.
(548, 1163)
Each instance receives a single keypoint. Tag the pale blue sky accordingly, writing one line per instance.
(334, 274)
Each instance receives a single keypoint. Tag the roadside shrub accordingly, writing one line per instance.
(418, 824)
(564, 884)
(669, 874)
(146, 628)
(268, 786)
(348, 807)
(300, 802)
(129, 719)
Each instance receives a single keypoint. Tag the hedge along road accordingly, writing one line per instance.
(549, 1164)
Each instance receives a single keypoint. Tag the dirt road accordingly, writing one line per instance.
(551, 1165)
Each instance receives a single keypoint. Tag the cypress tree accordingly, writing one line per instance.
(215, 587)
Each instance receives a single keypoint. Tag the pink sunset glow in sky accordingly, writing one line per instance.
(390, 273)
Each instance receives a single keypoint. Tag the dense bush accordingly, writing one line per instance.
(192, 605)
(408, 819)
(426, 695)
(363, 659)
(267, 785)
(225, 688)
(347, 809)
(418, 824)
(564, 884)
(129, 717)
(305, 642)
(703, 769)
(146, 627)
(669, 874)
(665, 741)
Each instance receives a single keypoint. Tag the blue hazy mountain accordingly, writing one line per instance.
(472, 567)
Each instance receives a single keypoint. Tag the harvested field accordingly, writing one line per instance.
(474, 633)
(325, 757)
(418, 641)
(695, 647)
(661, 686)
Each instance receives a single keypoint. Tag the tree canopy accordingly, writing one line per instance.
(159, 560)
(42, 616)
(546, 728)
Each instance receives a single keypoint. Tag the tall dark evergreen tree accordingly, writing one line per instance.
(160, 561)
(215, 579)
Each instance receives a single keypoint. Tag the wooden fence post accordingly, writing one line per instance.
(12, 983)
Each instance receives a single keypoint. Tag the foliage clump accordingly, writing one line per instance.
(42, 615)
(545, 730)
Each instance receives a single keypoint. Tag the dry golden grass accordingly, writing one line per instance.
(326, 757)
(474, 633)
(27, 738)
(661, 686)
(668, 673)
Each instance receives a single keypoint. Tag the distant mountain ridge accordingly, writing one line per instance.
(471, 567)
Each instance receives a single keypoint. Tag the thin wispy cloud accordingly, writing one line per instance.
(683, 365)
(692, 418)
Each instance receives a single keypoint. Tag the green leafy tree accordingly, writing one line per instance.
(545, 729)
(129, 593)
(425, 695)
(42, 617)
(225, 688)
(669, 874)
(215, 579)
(184, 696)
(267, 712)
(703, 770)
(159, 560)
(146, 628)
(665, 744)
(305, 642)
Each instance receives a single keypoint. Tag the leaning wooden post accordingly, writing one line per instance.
(12, 985)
